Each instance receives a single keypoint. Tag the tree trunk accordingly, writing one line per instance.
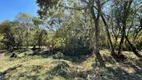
(108, 35)
(133, 48)
(126, 12)
(137, 33)
(122, 39)
(96, 47)
(27, 41)
(39, 40)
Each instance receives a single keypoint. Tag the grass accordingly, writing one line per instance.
(40, 68)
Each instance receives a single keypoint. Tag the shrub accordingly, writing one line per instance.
(59, 55)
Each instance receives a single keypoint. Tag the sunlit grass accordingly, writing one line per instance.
(37, 67)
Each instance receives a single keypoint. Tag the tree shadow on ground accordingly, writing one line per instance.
(77, 55)
(73, 58)
(77, 59)
(124, 70)
(120, 74)
(66, 71)
(139, 63)
(44, 54)
(109, 59)
(135, 66)
(2, 74)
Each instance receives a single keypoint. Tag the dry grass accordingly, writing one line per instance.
(39, 68)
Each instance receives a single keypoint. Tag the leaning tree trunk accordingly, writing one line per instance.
(137, 33)
(108, 35)
(122, 39)
(126, 11)
(133, 48)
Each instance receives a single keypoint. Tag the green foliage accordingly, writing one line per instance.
(46, 6)
(6, 30)
(36, 21)
(139, 43)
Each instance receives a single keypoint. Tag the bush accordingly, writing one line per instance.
(61, 69)
(78, 51)
(59, 55)
(139, 45)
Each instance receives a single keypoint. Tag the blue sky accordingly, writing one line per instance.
(10, 8)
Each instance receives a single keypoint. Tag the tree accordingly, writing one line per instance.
(95, 7)
(125, 13)
(25, 21)
(18, 34)
(37, 22)
(123, 18)
(108, 35)
(6, 29)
